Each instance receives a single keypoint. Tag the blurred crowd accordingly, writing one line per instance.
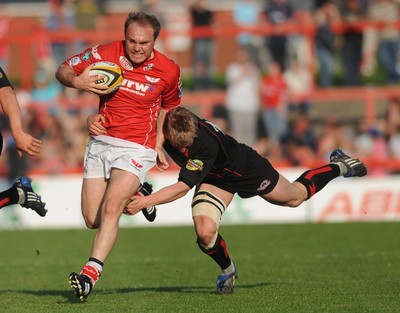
(268, 81)
(352, 39)
(299, 140)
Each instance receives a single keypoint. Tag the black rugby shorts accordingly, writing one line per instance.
(259, 177)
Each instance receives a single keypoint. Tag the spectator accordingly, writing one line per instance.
(391, 125)
(278, 12)
(274, 102)
(242, 97)
(5, 20)
(75, 138)
(61, 18)
(393, 143)
(202, 45)
(387, 11)
(52, 160)
(392, 116)
(326, 13)
(353, 12)
(299, 46)
(42, 53)
(299, 81)
(300, 143)
(87, 17)
(247, 13)
(46, 92)
(220, 117)
(65, 142)
(63, 132)
(334, 134)
(155, 7)
(369, 143)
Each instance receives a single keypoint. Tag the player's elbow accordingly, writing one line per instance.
(58, 73)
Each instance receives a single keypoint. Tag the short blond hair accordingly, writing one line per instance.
(180, 127)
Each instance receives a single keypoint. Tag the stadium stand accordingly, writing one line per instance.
(368, 102)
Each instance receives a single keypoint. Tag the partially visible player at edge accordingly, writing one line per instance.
(21, 192)
(124, 143)
(218, 166)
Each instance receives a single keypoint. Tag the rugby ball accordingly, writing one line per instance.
(110, 74)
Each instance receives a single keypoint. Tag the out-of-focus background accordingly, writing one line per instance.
(292, 79)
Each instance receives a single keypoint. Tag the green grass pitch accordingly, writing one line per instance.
(352, 267)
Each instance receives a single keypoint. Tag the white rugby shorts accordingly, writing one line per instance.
(101, 157)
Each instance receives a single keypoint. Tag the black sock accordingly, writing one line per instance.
(316, 179)
(218, 253)
(9, 196)
(91, 259)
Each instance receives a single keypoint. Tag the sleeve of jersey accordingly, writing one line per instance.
(173, 93)
(4, 82)
(199, 164)
(89, 56)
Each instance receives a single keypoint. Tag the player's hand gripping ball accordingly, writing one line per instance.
(110, 75)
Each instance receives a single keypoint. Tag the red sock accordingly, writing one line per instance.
(91, 272)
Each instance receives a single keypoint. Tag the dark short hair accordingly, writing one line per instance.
(143, 19)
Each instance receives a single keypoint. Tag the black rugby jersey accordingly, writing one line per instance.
(212, 153)
(4, 82)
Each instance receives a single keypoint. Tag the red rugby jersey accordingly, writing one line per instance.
(131, 112)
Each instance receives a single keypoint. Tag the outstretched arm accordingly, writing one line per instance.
(164, 195)
(10, 106)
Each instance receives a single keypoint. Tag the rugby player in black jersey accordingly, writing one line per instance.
(21, 191)
(218, 167)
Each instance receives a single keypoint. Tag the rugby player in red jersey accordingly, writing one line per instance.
(125, 142)
(219, 167)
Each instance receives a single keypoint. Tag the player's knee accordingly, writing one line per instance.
(111, 209)
(206, 230)
(206, 237)
(206, 241)
(91, 223)
(294, 203)
(299, 195)
(91, 217)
